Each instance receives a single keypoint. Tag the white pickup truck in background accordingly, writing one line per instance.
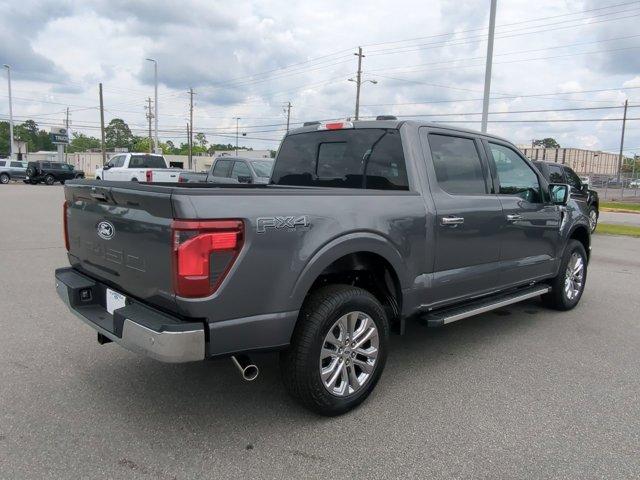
(138, 167)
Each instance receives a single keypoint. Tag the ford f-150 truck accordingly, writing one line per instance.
(138, 167)
(363, 226)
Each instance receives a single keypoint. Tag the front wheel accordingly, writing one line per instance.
(338, 350)
(49, 180)
(567, 287)
(4, 179)
(593, 219)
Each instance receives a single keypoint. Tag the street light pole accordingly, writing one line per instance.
(155, 74)
(358, 81)
(8, 67)
(487, 70)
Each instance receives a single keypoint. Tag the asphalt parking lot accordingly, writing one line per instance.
(521, 392)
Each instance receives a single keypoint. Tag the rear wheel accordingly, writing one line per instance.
(338, 350)
(49, 179)
(97, 178)
(568, 285)
(4, 178)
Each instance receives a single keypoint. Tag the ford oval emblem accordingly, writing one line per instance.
(106, 230)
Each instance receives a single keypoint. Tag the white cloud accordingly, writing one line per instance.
(220, 49)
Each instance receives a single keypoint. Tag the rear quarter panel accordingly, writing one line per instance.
(277, 265)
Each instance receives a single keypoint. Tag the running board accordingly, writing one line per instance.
(453, 314)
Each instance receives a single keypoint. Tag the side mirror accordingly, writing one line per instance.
(106, 167)
(245, 179)
(559, 193)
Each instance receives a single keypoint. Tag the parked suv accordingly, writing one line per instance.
(51, 172)
(12, 170)
(363, 226)
(580, 192)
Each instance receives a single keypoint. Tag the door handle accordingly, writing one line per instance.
(451, 221)
(514, 218)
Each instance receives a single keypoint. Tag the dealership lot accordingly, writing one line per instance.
(522, 392)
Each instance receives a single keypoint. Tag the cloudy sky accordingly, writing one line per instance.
(562, 60)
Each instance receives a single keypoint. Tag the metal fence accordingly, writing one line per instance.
(610, 188)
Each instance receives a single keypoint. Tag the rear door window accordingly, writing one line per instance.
(240, 169)
(351, 158)
(457, 165)
(572, 178)
(3, 164)
(222, 168)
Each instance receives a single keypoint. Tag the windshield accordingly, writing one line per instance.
(352, 158)
(263, 167)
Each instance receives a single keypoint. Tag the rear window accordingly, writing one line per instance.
(147, 161)
(2, 164)
(355, 158)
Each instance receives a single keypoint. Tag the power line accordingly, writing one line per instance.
(502, 25)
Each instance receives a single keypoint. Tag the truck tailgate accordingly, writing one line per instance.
(121, 235)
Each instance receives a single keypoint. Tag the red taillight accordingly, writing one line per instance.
(204, 251)
(65, 224)
(149, 175)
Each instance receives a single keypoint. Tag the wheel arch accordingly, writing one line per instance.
(363, 259)
(581, 234)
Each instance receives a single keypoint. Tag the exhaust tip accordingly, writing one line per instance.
(247, 369)
(250, 373)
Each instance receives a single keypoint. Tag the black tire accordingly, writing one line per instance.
(134, 179)
(558, 298)
(300, 363)
(4, 178)
(97, 178)
(33, 182)
(593, 218)
(49, 179)
(32, 171)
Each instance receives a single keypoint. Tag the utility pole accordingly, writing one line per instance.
(487, 70)
(8, 67)
(190, 127)
(149, 116)
(66, 124)
(358, 81)
(237, 130)
(624, 124)
(189, 144)
(288, 112)
(104, 152)
(155, 77)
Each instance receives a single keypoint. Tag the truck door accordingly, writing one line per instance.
(530, 229)
(468, 216)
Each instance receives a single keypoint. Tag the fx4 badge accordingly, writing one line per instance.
(263, 223)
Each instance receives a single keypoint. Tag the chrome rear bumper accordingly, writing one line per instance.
(135, 326)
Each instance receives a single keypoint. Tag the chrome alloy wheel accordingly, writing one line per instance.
(574, 276)
(593, 220)
(349, 353)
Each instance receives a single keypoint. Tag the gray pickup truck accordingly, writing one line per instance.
(363, 226)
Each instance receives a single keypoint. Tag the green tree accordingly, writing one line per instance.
(546, 143)
(168, 147)
(118, 134)
(4, 139)
(201, 139)
(82, 143)
(141, 144)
